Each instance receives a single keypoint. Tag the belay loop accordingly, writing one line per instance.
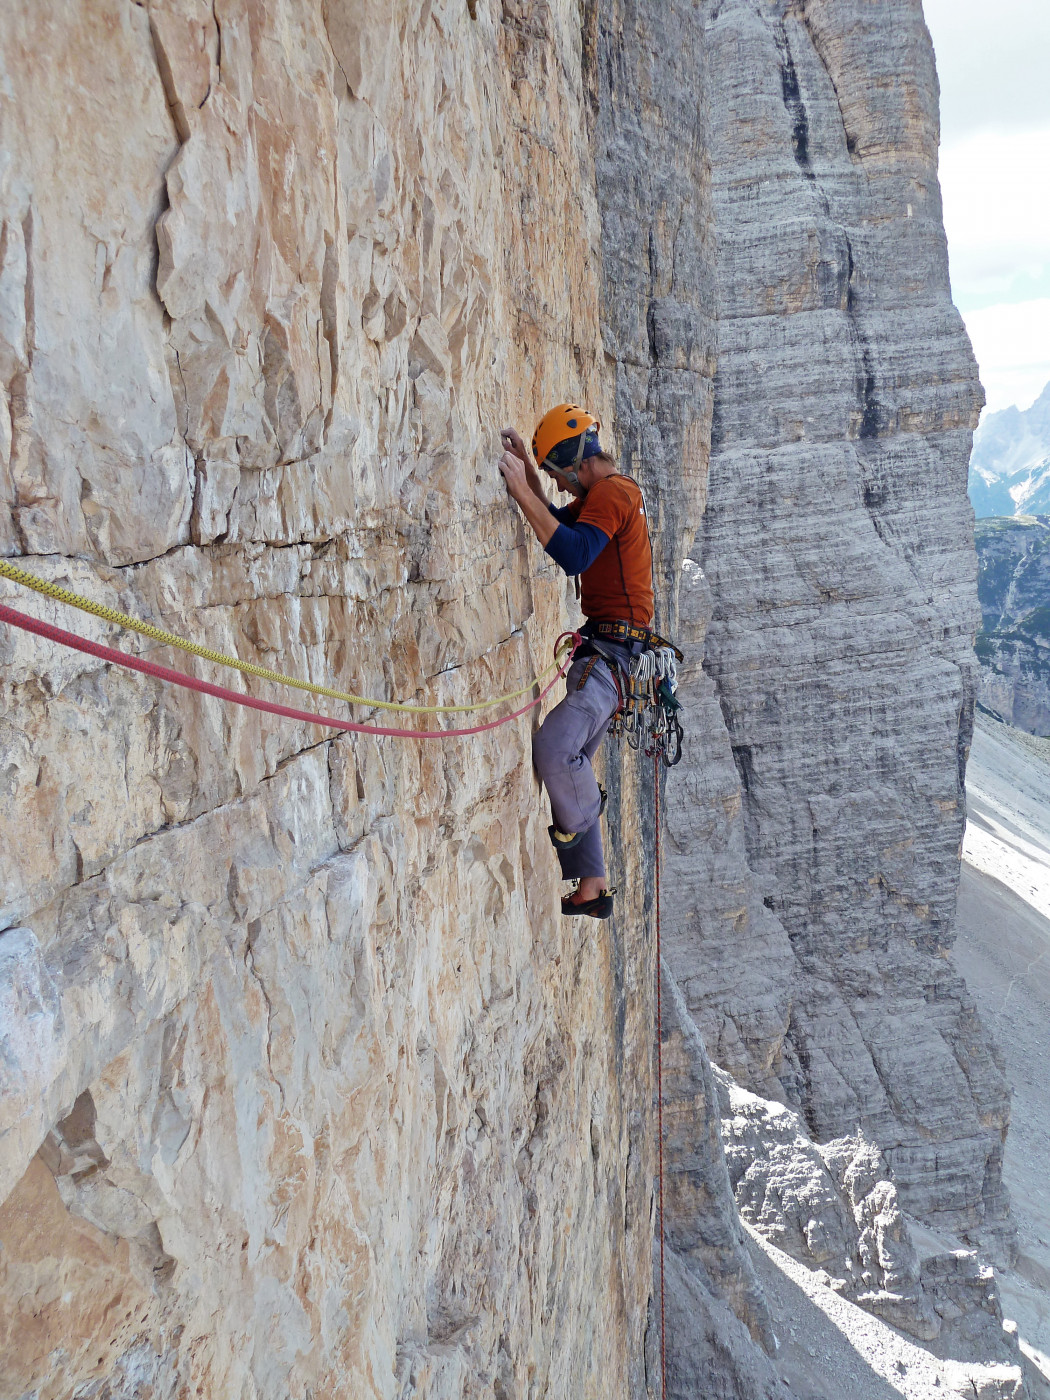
(649, 716)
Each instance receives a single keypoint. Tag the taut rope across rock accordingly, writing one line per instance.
(249, 668)
(165, 673)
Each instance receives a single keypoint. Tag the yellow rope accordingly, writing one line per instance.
(146, 629)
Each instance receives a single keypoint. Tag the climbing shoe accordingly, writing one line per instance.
(600, 907)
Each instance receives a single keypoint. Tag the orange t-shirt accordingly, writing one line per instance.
(618, 586)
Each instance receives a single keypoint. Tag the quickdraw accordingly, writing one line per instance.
(649, 715)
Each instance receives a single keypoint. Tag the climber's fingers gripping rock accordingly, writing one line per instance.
(512, 442)
(513, 470)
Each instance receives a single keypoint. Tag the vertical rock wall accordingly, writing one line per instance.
(1012, 642)
(306, 1086)
(308, 1089)
(837, 546)
(647, 91)
(815, 824)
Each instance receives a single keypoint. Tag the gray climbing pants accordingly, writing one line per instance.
(562, 749)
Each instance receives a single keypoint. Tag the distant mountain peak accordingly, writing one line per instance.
(1010, 463)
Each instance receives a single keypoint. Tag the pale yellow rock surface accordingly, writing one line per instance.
(306, 1087)
(74, 1299)
(336, 1101)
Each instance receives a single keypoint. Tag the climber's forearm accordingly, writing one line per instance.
(536, 512)
(535, 481)
(535, 508)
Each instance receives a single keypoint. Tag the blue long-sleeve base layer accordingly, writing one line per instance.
(574, 546)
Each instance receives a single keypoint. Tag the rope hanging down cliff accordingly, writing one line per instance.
(660, 1067)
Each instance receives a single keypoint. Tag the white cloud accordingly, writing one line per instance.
(995, 161)
(992, 63)
(1012, 345)
(997, 216)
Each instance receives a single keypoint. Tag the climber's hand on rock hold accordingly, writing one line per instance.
(513, 470)
(512, 442)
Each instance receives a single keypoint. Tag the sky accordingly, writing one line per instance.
(993, 62)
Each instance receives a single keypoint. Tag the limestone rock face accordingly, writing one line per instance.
(1013, 642)
(647, 90)
(721, 1334)
(306, 1086)
(308, 1089)
(836, 551)
(829, 1206)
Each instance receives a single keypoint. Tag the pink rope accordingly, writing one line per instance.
(165, 673)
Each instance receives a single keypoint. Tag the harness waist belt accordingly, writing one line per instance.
(629, 632)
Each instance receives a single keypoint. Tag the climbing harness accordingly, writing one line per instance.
(248, 668)
(585, 674)
(165, 673)
(648, 716)
(628, 632)
(659, 1067)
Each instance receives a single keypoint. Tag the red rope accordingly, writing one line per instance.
(165, 673)
(660, 1080)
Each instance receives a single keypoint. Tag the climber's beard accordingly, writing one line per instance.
(567, 481)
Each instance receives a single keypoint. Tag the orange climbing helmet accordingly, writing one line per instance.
(565, 436)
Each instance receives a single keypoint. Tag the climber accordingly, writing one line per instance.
(603, 537)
